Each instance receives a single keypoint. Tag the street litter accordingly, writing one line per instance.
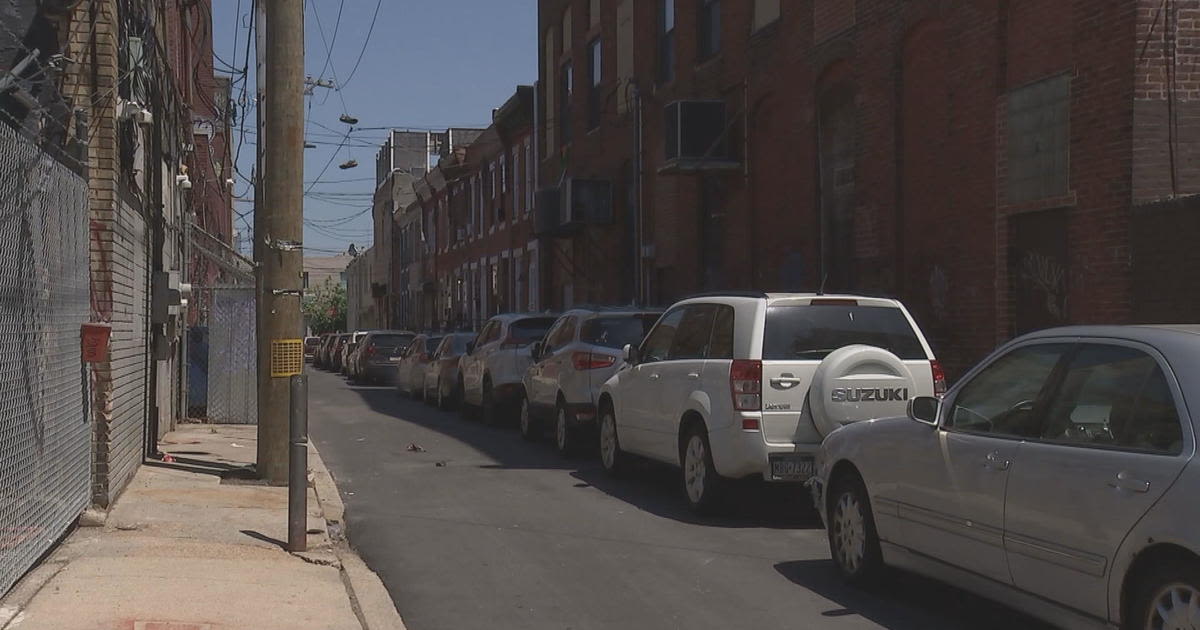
(416, 448)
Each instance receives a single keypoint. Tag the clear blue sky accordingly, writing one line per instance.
(428, 63)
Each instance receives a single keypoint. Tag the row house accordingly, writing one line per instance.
(1000, 166)
(466, 248)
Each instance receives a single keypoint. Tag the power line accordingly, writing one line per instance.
(366, 41)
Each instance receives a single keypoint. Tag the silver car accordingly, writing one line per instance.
(1057, 476)
(579, 353)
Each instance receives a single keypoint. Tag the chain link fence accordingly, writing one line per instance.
(44, 298)
(232, 358)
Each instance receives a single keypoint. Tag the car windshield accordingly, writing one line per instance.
(812, 332)
(526, 331)
(617, 331)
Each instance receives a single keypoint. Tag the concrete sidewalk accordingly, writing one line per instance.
(189, 546)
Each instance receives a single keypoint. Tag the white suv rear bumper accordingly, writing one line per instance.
(739, 453)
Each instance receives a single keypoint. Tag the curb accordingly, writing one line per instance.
(369, 597)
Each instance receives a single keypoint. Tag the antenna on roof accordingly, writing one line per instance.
(821, 291)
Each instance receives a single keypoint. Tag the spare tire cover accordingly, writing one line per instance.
(858, 383)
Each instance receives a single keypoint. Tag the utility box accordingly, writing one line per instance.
(168, 296)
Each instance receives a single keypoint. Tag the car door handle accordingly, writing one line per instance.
(654, 376)
(1126, 481)
(995, 461)
(693, 375)
(785, 382)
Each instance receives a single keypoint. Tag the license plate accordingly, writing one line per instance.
(393, 359)
(791, 467)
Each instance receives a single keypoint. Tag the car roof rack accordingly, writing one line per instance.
(735, 293)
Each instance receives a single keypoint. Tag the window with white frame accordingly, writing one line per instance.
(528, 175)
(518, 199)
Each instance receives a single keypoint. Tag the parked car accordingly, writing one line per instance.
(580, 352)
(310, 347)
(348, 350)
(1058, 476)
(372, 362)
(321, 357)
(336, 354)
(410, 370)
(748, 384)
(495, 363)
(443, 380)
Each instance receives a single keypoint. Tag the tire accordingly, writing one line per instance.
(565, 440)
(465, 409)
(702, 485)
(853, 541)
(443, 401)
(530, 428)
(612, 458)
(1167, 588)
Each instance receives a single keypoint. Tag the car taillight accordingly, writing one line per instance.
(370, 351)
(939, 378)
(745, 384)
(592, 360)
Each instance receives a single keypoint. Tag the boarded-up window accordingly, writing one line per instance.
(765, 12)
(1038, 139)
(831, 17)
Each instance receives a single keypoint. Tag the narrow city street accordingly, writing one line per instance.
(472, 527)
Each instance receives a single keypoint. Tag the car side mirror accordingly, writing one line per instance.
(631, 354)
(536, 350)
(924, 409)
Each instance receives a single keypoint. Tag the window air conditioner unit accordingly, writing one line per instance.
(695, 129)
(587, 201)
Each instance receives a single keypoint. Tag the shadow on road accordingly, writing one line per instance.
(657, 489)
(650, 487)
(904, 601)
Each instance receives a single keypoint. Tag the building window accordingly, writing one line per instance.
(766, 12)
(596, 70)
(1039, 140)
(518, 198)
(503, 173)
(593, 13)
(666, 40)
(305, 279)
(550, 62)
(564, 103)
(528, 175)
(710, 28)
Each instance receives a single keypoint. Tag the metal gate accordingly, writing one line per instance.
(44, 431)
(232, 358)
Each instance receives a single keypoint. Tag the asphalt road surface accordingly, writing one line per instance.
(482, 530)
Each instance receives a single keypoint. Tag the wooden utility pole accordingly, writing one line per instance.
(278, 232)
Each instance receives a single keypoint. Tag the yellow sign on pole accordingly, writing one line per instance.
(287, 357)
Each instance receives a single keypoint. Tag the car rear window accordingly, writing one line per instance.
(616, 332)
(812, 332)
(391, 340)
(527, 331)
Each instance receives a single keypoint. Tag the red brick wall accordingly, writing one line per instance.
(930, 215)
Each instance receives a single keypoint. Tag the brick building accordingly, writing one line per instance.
(982, 161)
(465, 246)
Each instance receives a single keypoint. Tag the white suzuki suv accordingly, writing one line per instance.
(739, 385)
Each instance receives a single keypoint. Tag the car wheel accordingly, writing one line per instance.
(853, 542)
(701, 483)
(564, 438)
(531, 429)
(465, 409)
(443, 401)
(1166, 596)
(611, 456)
(418, 393)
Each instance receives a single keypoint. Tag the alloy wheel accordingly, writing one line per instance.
(849, 532)
(695, 469)
(1175, 606)
(608, 441)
